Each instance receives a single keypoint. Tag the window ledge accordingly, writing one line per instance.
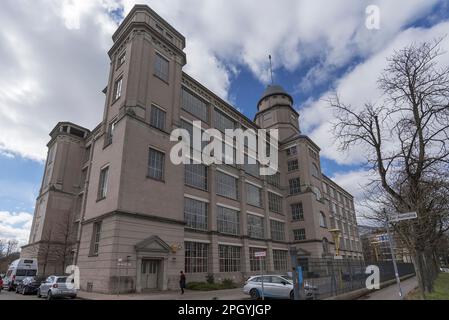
(100, 199)
(155, 179)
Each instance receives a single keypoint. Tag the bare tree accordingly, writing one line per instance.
(406, 142)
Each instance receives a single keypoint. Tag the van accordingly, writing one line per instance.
(18, 270)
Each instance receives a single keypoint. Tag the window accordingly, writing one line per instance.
(274, 203)
(222, 122)
(195, 214)
(315, 171)
(103, 184)
(280, 260)
(228, 221)
(325, 245)
(96, 232)
(297, 212)
(292, 165)
(118, 89)
(292, 151)
(230, 258)
(87, 154)
(323, 223)
(251, 168)
(274, 180)
(255, 263)
(111, 129)
(196, 257)
(157, 117)
(313, 154)
(226, 185)
(156, 160)
(253, 195)
(294, 186)
(121, 60)
(194, 105)
(195, 175)
(277, 230)
(161, 67)
(299, 234)
(255, 227)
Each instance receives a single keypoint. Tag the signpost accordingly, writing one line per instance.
(396, 218)
(260, 255)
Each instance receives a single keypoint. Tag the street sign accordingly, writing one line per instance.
(260, 254)
(403, 216)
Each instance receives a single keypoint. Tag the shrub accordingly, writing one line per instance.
(206, 286)
(210, 278)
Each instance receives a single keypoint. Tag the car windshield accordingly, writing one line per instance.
(61, 280)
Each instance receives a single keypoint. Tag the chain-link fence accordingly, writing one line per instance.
(324, 278)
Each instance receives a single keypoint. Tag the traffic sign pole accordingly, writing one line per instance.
(396, 273)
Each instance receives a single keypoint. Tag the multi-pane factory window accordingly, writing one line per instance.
(195, 214)
(274, 202)
(223, 122)
(157, 117)
(274, 180)
(255, 263)
(292, 165)
(294, 185)
(194, 105)
(196, 257)
(96, 233)
(161, 67)
(228, 221)
(299, 234)
(280, 260)
(103, 183)
(226, 185)
(277, 230)
(255, 227)
(196, 176)
(230, 258)
(292, 151)
(297, 212)
(156, 161)
(253, 195)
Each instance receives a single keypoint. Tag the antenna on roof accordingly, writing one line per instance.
(271, 69)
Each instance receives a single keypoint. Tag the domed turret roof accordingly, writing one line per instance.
(272, 90)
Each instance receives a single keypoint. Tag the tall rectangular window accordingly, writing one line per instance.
(274, 180)
(196, 257)
(103, 183)
(299, 234)
(228, 221)
(230, 258)
(95, 242)
(118, 88)
(297, 212)
(226, 185)
(253, 195)
(274, 202)
(223, 122)
(196, 176)
(195, 214)
(294, 186)
(111, 129)
(256, 263)
(277, 230)
(292, 165)
(157, 117)
(156, 163)
(194, 105)
(255, 227)
(161, 67)
(121, 59)
(280, 260)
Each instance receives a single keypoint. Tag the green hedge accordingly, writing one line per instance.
(206, 286)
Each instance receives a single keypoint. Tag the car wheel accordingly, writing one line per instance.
(39, 293)
(254, 293)
(49, 295)
(292, 295)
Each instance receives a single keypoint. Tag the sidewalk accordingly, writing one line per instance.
(391, 292)
(230, 294)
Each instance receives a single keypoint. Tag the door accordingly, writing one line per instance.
(150, 274)
(280, 287)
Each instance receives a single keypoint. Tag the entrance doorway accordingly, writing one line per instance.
(150, 274)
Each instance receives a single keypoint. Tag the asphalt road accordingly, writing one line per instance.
(5, 295)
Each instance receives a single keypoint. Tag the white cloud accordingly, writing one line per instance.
(15, 226)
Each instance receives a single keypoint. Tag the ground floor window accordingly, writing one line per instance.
(280, 260)
(255, 262)
(196, 257)
(230, 258)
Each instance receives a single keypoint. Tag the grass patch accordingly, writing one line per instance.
(207, 286)
(440, 289)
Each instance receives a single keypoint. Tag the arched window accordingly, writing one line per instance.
(323, 220)
(325, 245)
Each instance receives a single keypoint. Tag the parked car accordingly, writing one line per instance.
(17, 271)
(29, 285)
(57, 287)
(274, 286)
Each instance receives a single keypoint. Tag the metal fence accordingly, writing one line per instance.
(324, 278)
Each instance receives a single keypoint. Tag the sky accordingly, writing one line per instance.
(54, 65)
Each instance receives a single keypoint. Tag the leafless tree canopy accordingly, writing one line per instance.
(406, 139)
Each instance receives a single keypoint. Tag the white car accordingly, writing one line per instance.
(274, 286)
(57, 287)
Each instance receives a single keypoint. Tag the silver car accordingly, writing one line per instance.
(275, 286)
(57, 287)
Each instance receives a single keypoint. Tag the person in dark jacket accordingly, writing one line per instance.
(182, 282)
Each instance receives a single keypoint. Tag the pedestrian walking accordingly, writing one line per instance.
(182, 282)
